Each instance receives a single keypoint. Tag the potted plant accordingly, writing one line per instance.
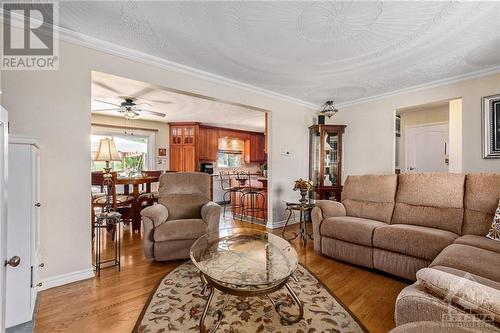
(263, 168)
(304, 186)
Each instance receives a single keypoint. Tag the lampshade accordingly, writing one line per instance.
(107, 151)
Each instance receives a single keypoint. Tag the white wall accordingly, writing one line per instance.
(370, 138)
(54, 107)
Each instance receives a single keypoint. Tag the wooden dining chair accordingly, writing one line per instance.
(123, 203)
(149, 198)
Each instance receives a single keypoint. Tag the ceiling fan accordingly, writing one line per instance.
(129, 109)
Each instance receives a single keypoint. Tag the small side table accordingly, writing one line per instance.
(102, 222)
(305, 210)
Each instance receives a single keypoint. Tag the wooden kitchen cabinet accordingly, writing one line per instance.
(255, 148)
(192, 143)
(208, 142)
(183, 138)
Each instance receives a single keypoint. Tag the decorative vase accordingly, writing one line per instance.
(303, 194)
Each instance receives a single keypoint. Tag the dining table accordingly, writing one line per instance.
(136, 182)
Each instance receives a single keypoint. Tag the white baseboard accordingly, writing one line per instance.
(63, 279)
(279, 224)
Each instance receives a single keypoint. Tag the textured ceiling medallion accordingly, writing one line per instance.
(332, 21)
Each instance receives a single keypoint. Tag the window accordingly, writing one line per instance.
(133, 151)
(228, 159)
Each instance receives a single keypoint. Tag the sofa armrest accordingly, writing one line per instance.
(463, 291)
(210, 213)
(331, 208)
(152, 217)
(156, 213)
(324, 209)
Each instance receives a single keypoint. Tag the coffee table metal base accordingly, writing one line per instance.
(210, 286)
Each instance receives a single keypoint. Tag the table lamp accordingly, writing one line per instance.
(107, 153)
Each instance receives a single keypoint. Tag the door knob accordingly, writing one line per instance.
(38, 204)
(412, 168)
(13, 262)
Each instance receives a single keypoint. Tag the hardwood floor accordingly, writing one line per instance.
(113, 301)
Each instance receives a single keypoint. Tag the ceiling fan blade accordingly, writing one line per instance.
(154, 113)
(144, 103)
(105, 110)
(105, 86)
(144, 91)
(101, 101)
(158, 101)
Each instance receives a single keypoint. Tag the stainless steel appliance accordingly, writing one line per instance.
(207, 167)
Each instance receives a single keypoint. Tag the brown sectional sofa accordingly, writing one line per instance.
(401, 224)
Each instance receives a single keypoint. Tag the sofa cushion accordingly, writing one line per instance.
(432, 200)
(480, 242)
(180, 229)
(482, 192)
(412, 240)
(398, 264)
(370, 196)
(355, 230)
(464, 291)
(470, 259)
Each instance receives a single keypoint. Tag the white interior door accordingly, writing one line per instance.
(3, 212)
(427, 148)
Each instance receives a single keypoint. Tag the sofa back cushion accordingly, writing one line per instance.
(370, 196)
(482, 192)
(433, 200)
(184, 193)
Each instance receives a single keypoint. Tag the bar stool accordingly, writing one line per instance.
(229, 190)
(253, 199)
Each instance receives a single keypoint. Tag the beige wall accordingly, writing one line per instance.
(54, 107)
(161, 132)
(419, 117)
(370, 139)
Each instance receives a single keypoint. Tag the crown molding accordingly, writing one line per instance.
(428, 85)
(148, 59)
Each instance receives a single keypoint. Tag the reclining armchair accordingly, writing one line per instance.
(184, 213)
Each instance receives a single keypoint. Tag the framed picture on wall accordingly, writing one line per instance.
(491, 126)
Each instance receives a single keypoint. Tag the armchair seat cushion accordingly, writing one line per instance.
(355, 230)
(470, 259)
(180, 230)
(416, 241)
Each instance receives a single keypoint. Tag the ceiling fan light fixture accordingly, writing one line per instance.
(129, 114)
(328, 109)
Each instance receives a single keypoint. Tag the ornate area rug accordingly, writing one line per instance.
(176, 306)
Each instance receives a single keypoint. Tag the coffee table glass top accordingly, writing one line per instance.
(244, 257)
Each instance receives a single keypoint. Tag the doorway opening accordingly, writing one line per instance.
(429, 137)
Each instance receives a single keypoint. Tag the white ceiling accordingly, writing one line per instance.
(180, 107)
(312, 51)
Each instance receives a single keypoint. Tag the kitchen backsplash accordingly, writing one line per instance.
(248, 167)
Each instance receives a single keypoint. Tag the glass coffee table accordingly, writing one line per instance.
(245, 262)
